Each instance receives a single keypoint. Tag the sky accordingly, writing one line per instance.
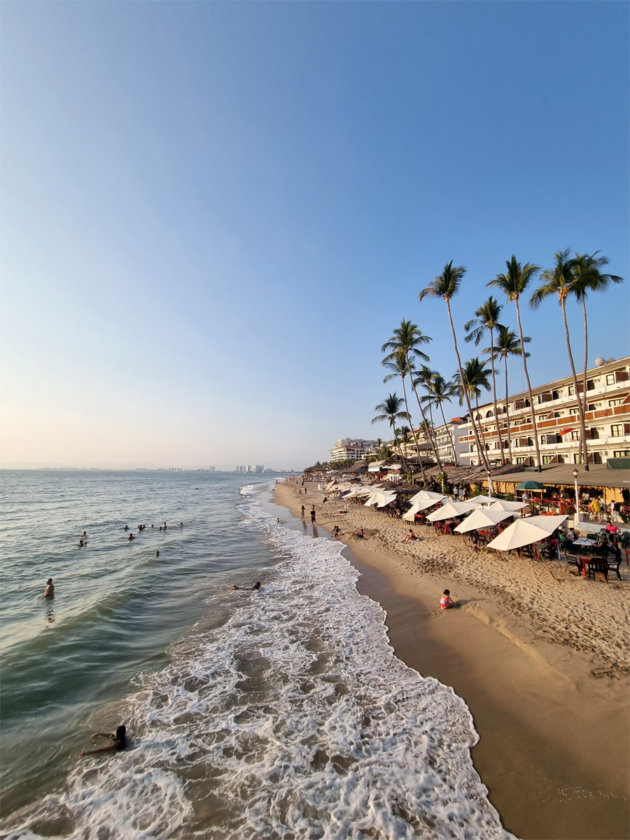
(214, 214)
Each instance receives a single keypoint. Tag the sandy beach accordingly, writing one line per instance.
(541, 660)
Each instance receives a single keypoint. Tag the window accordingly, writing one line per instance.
(616, 430)
(621, 453)
(612, 403)
(575, 435)
(520, 460)
(571, 390)
(610, 379)
(574, 411)
(547, 459)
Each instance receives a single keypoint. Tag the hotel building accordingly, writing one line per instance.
(607, 421)
(350, 449)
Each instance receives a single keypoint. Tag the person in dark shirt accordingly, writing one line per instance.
(118, 740)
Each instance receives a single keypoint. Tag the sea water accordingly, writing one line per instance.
(279, 713)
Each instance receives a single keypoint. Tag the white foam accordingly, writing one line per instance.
(291, 719)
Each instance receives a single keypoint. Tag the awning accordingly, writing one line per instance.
(449, 510)
(526, 531)
(483, 518)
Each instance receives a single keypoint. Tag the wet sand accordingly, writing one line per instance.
(541, 661)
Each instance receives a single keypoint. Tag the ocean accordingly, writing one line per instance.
(280, 713)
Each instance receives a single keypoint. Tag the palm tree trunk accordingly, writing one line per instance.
(494, 397)
(429, 434)
(529, 386)
(413, 431)
(584, 443)
(450, 437)
(575, 379)
(507, 411)
(465, 390)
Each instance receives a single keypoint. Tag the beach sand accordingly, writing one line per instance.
(541, 661)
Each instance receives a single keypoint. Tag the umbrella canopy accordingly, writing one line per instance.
(380, 499)
(421, 504)
(482, 500)
(530, 485)
(526, 531)
(360, 491)
(503, 504)
(424, 495)
(483, 518)
(449, 510)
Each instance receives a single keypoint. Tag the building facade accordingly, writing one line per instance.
(558, 422)
(351, 449)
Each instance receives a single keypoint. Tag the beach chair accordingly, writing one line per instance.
(572, 560)
(613, 565)
(598, 566)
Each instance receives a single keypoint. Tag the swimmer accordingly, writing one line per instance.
(157, 553)
(118, 741)
(255, 587)
(49, 591)
(131, 537)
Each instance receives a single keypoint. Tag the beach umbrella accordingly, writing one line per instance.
(482, 500)
(423, 495)
(380, 499)
(449, 510)
(503, 504)
(483, 518)
(418, 506)
(386, 500)
(526, 531)
(530, 485)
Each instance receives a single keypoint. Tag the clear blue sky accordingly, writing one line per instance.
(214, 214)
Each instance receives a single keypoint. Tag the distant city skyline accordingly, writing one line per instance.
(213, 215)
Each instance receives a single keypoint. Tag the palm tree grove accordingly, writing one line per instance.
(425, 391)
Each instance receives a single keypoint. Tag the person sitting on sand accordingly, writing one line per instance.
(335, 531)
(49, 591)
(255, 587)
(360, 533)
(446, 602)
(118, 741)
(410, 536)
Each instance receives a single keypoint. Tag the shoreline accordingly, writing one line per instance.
(549, 701)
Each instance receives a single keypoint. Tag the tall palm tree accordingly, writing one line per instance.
(389, 410)
(439, 392)
(559, 280)
(487, 318)
(475, 378)
(408, 338)
(587, 276)
(421, 378)
(513, 283)
(446, 286)
(507, 345)
(398, 365)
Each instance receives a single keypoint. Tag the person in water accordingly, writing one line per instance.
(255, 587)
(118, 741)
(49, 592)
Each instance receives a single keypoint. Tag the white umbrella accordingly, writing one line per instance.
(417, 507)
(359, 491)
(502, 504)
(482, 500)
(380, 499)
(449, 510)
(483, 518)
(424, 495)
(526, 531)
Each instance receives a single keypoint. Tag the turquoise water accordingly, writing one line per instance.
(282, 713)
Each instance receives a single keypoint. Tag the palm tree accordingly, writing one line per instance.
(398, 363)
(507, 345)
(422, 378)
(588, 277)
(439, 392)
(559, 280)
(514, 282)
(445, 286)
(408, 338)
(390, 410)
(475, 379)
(487, 318)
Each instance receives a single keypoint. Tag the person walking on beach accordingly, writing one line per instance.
(118, 741)
(313, 514)
(49, 591)
(303, 511)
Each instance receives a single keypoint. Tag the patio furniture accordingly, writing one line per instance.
(573, 560)
(598, 566)
(613, 565)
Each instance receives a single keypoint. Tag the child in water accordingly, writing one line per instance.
(118, 741)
